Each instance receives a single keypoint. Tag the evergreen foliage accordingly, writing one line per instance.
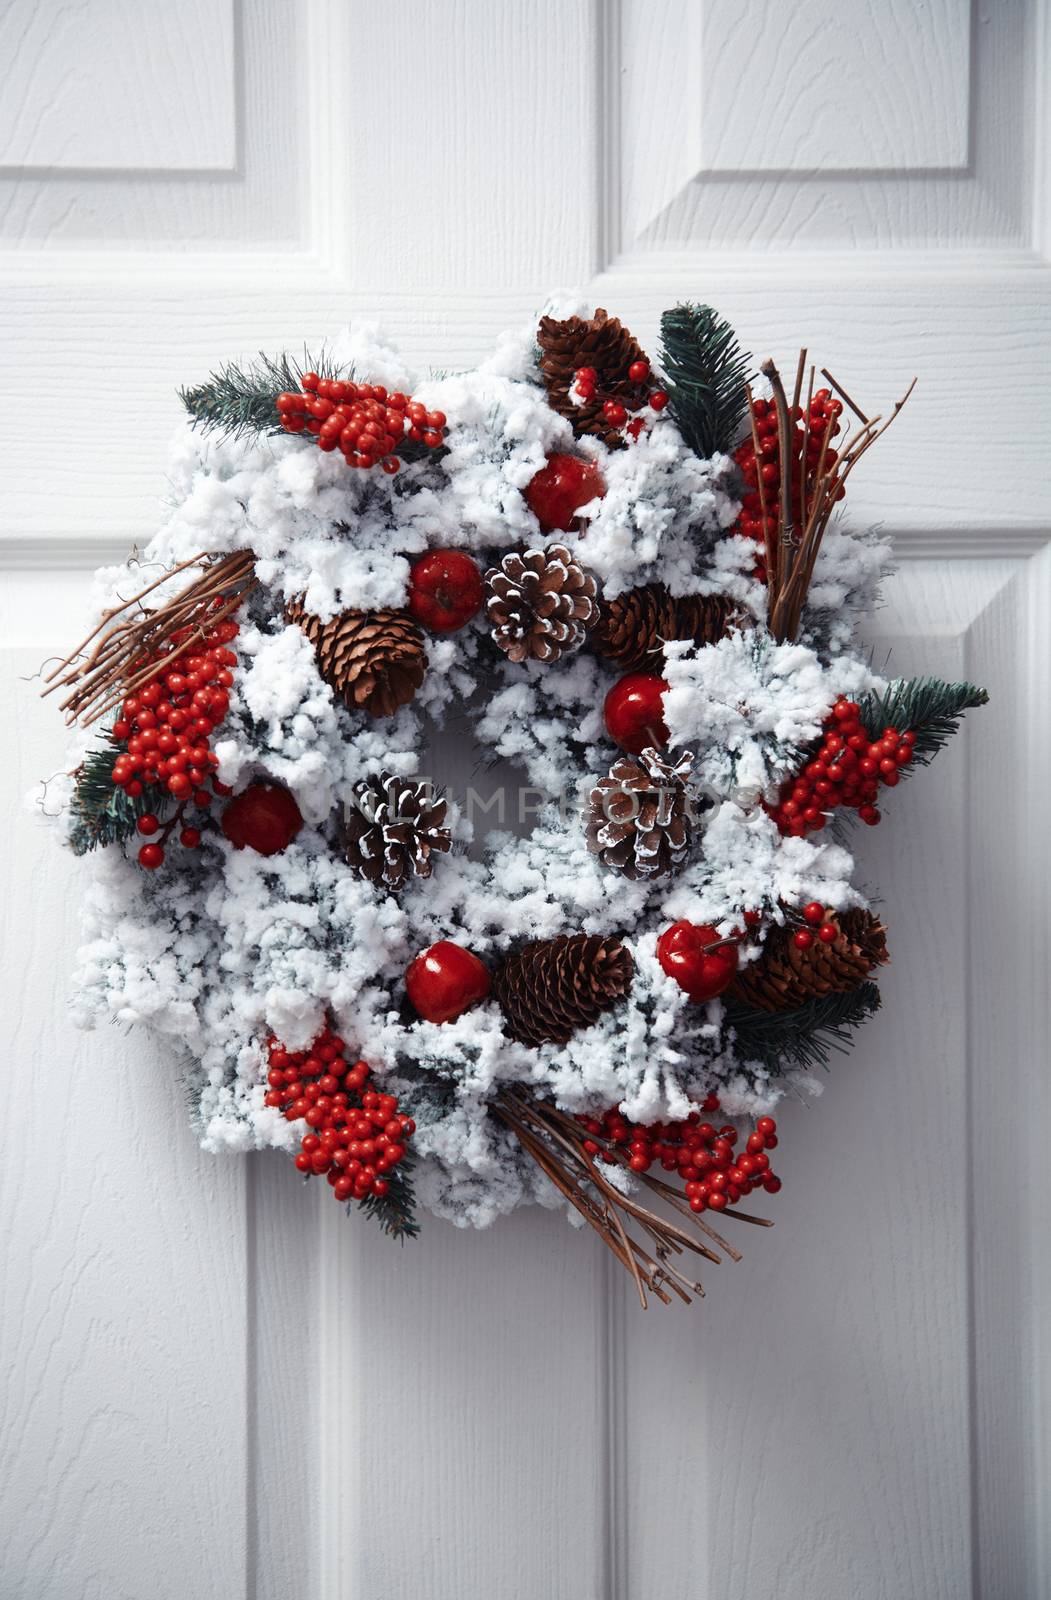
(930, 708)
(396, 1210)
(103, 813)
(706, 373)
(805, 1038)
(240, 400)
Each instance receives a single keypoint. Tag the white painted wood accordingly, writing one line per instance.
(838, 90)
(118, 85)
(123, 1403)
(812, 127)
(230, 1389)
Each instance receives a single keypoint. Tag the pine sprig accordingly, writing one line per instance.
(104, 813)
(240, 400)
(805, 1038)
(928, 707)
(396, 1210)
(706, 373)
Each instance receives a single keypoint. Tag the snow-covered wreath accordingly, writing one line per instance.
(626, 579)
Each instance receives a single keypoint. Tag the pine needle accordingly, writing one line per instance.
(928, 707)
(804, 1038)
(105, 814)
(706, 373)
(240, 401)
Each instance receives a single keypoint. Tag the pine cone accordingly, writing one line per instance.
(391, 828)
(785, 977)
(633, 626)
(553, 987)
(601, 342)
(541, 604)
(638, 818)
(374, 659)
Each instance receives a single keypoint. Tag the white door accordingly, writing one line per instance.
(216, 1386)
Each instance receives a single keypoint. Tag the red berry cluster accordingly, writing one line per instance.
(821, 919)
(585, 387)
(165, 727)
(357, 1135)
(808, 436)
(714, 1174)
(361, 419)
(846, 770)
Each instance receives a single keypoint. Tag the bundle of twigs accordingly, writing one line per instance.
(556, 1142)
(792, 549)
(130, 642)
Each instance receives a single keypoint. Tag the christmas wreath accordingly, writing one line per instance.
(630, 582)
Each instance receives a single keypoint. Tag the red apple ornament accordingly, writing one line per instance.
(695, 957)
(634, 712)
(445, 590)
(264, 817)
(445, 981)
(560, 488)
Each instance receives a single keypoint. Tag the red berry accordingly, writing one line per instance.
(633, 712)
(190, 837)
(614, 413)
(445, 981)
(814, 912)
(699, 961)
(828, 933)
(658, 400)
(639, 371)
(148, 823)
(802, 938)
(445, 590)
(150, 856)
(265, 817)
(560, 488)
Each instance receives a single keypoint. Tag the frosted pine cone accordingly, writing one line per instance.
(639, 819)
(392, 828)
(540, 604)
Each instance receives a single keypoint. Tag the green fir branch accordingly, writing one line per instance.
(103, 813)
(804, 1038)
(396, 1210)
(927, 707)
(241, 400)
(706, 373)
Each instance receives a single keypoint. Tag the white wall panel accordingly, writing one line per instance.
(118, 85)
(836, 87)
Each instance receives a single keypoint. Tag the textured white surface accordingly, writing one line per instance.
(188, 1348)
(116, 85)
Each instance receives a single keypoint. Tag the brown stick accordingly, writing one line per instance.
(843, 395)
(785, 533)
(130, 653)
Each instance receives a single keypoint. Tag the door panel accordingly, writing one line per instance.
(216, 1385)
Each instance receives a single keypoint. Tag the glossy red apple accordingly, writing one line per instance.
(634, 712)
(445, 981)
(563, 484)
(445, 590)
(265, 817)
(699, 961)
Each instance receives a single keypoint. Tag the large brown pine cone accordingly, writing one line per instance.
(552, 987)
(540, 603)
(633, 627)
(786, 977)
(391, 828)
(601, 342)
(374, 659)
(638, 819)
